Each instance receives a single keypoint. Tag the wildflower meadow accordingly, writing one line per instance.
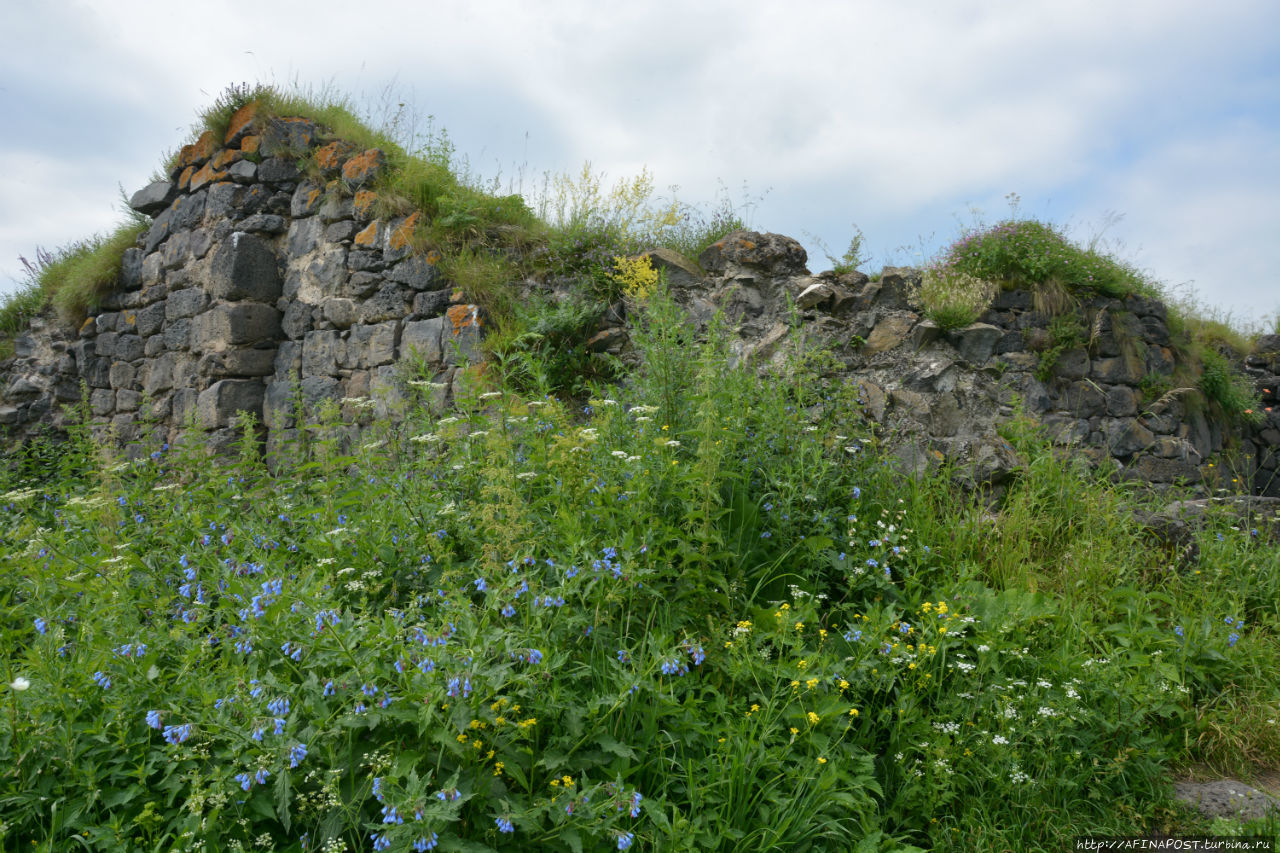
(697, 611)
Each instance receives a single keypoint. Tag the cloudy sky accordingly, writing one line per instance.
(1155, 123)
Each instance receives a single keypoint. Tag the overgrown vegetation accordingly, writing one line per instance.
(702, 614)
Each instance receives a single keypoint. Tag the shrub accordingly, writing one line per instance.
(952, 298)
(1025, 252)
(1228, 389)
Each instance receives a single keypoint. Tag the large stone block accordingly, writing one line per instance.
(420, 340)
(219, 404)
(185, 303)
(460, 339)
(235, 324)
(372, 346)
(238, 362)
(321, 353)
(244, 267)
(154, 197)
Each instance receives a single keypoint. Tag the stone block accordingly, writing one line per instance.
(363, 168)
(977, 342)
(1116, 371)
(431, 303)
(305, 236)
(127, 400)
(340, 312)
(1122, 401)
(461, 335)
(264, 223)
(277, 405)
(218, 405)
(234, 324)
(275, 170)
(225, 201)
(102, 401)
(373, 346)
(243, 172)
(156, 375)
(154, 197)
(321, 353)
(122, 374)
(177, 334)
(297, 319)
(420, 341)
(149, 320)
(128, 348)
(153, 346)
(287, 137)
(340, 232)
(185, 303)
(244, 267)
(187, 212)
(389, 303)
(238, 362)
(1125, 436)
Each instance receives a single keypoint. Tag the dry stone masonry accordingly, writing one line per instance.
(252, 284)
(261, 289)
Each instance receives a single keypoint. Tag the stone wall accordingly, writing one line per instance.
(260, 288)
(252, 282)
(943, 395)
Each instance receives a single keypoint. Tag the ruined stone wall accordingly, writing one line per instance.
(252, 282)
(941, 395)
(258, 288)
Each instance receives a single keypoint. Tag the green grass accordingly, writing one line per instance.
(702, 614)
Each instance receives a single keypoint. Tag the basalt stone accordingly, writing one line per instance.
(374, 345)
(105, 322)
(131, 268)
(154, 197)
(235, 324)
(98, 374)
(153, 269)
(219, 405)
(1122, 402)
(389, 303)
(127, 400)
(243, 172)
(335, 208)
(1125, 436)
(461, 335)
(280, 202)
(244, 267)
(266, 223)
(238, 362)
(419, 273)
(772, 253)
(288, 360)
(102, 402)
(290, 137)
(1072, 364)
(365, 261)
(188, 212)
(1013, 300)
(122, 374)
(420, 340)
(977, 342)
(1116, 371)
(224, 201)
(321, 353)
(431, 303)
(185, 303)
(1083, 399)
(340, 312)
(274, 170)
(159, 230)
(304, 237)
(297, 319)
(306, 199)
(157, 374)
(278, 404)
(340, 232)
(128, 348)
(152, 346)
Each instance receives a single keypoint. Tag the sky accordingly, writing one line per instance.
(1150, 125)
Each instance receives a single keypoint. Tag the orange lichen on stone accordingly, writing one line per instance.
(369, 236)
(434, 257)
(329, 157)
(199, 151)
(747, 244)
(361, 168)
(225, 158)
(206, 175)
(403, 234)
(184, 180)
(241, 123)
(249, 144)
(88, 322)
(363, 203)
(462, 316)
